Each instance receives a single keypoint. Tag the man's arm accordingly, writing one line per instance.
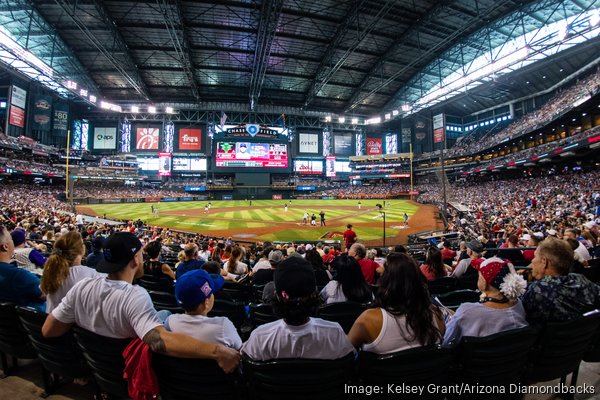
(179, 345)
(53, 327)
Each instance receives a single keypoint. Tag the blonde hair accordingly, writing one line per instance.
(56, 269)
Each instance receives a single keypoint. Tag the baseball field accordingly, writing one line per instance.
(268, 219)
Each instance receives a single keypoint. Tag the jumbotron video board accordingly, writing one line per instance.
(251, 155)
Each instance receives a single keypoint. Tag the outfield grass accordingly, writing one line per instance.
(267, 219)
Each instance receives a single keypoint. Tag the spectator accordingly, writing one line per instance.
(233, 265)
(190, 262)
(153, 266)
(113, 307)
(322, 275)
(499, 309)
(95, 256)
(466, 266)
(63, 269)
(26, 257)
(434, 268)
(368, 267)
(195, 293)
(404, 317)
(295, 335)
(264, 276)
(17, 285)
(556, 294)
(349, 283)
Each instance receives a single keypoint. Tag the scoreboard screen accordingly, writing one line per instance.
(251, 155)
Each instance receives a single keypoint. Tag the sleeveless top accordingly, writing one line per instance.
(153, 268)
(394, 335)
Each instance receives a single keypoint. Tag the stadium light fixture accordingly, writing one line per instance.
(388, 116)
(354, 121)
(395, 112)
(135, 109)
(83, 92)
(405, 107)
(93, 99)
(169, 110)
(152, 110)
(341, 120)
(328, 118)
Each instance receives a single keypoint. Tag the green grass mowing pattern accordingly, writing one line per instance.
(265, 213)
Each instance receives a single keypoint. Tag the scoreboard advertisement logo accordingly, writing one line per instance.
(374, 146)
(147, 139)
(190, 139)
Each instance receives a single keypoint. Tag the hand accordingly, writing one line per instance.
(227, 358)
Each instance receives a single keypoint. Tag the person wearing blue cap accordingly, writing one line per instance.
(194, 292)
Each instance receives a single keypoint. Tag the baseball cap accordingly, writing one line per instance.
(98, 242)
(526, 236)
(119, 250)
(476, 246)
(294, 278)
(194, 287)
(275, 257)
(551, 232)
(18, 236)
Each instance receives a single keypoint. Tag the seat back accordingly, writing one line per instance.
(293, 379)
(186, 378)
(257, 292)
(498, 359)
(238, 292)
(13, 338)
(561, 347)
(442, 285)
(344, 313)
(59, 355)
(165, 301)
(150, 282)
(236, 312)
(455, 298)
(418, 366)
(104, 356)
(261, 314)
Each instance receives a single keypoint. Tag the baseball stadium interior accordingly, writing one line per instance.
(283, 199)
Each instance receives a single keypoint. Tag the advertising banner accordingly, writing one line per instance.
(60, 120)
(17, 116)
(42, 112)
(308, 143)
(438, 128)
(374, 146)
(18, 97)
(147, 138)
(190, 139)
(330, 166)
(277, 197)
(406, 135)
(164, 164)
(105, 138)
(342, 145)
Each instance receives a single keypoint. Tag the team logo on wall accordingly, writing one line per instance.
(189, 139)
(252, 129)
(374, 146)
(147, 139)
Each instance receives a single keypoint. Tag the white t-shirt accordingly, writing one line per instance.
(317, 339)
(240, 268)
(76, 273)
(261, 264)
(213, 330)
(333, 293)
(584, 254)
(109, 308)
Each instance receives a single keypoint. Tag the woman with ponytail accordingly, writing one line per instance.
(63, 268)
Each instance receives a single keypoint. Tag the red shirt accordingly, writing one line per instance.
(448, 254)
(368, 267)
(349, 236)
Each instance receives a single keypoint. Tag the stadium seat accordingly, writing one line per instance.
(236, 312)
(297, 379)
(442, 285)
(238, 292)
(59, 356)
(261, 314)
(149, 282)
(498, 359)
(104, 356)
(454, 299)
(191, 379)
(418, 366)
(561, 348)
(257, 292)
(344, 313)
(14, 341)
(165, 301)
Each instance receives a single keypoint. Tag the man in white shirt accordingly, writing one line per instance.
(297, 335)
(583, 253)
(113, 307)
